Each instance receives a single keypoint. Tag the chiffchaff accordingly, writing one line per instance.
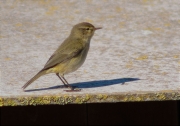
(70, 55)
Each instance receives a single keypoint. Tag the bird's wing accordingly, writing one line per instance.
(63, 53)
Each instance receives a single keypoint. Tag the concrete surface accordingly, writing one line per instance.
(135, 57)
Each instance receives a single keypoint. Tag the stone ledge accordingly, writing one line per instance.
(89, 98)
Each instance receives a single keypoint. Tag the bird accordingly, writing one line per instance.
(70, 55)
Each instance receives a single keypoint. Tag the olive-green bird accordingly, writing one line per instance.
(70, 55)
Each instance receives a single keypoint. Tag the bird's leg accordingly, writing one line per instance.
(72, 89)
(66, 82)
(62, 80)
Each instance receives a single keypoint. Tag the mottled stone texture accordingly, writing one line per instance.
(135, 57)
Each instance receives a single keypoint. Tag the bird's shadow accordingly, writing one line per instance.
(91, 84)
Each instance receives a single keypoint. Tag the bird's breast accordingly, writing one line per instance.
(78, 61)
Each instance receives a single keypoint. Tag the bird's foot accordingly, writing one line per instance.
(73, 89)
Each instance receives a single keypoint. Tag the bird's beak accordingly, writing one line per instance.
(98, 28)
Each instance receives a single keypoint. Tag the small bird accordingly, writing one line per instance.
(70, 55)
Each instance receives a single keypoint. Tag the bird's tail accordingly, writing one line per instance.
(40, 73)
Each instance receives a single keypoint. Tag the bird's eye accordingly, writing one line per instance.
(87, 28)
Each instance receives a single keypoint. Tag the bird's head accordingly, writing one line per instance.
(83, 30)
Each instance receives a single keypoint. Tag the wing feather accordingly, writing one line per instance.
(64, 52)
